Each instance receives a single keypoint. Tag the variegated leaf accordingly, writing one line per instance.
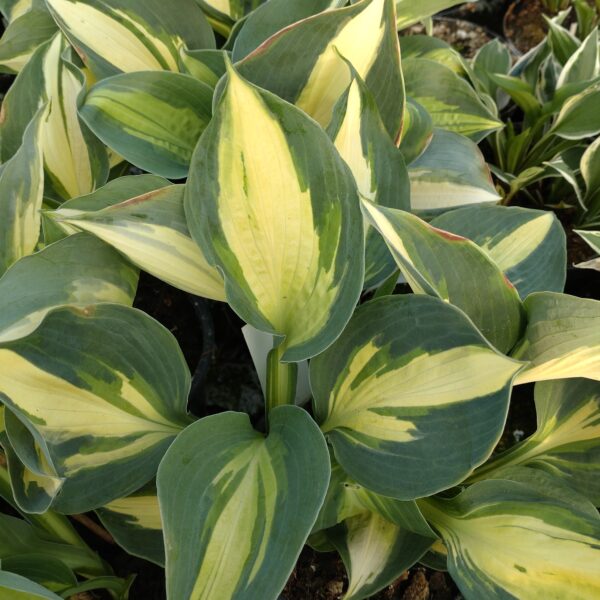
(449, 99)
(237, 506)
(377, 165)
(579, 117)
(375, 552)
(151, 230)
(417, 131)
(103, 390)
(17, 587)
(272, 204)
(528, 245)
(79, 270)
(567, 441)
(44, 570)
(436, 49)
(144, 35)
(21, 193)
(207, 66)
(409, 409)
(302, 63)
(229, 10)
(524, 538)
(584, 64)
(562, 338)
(152, 119)
(454, 269)
(136, 525)
(451, 172)
(410, 12)
(13, 9)
(592, 239)
(23, 36)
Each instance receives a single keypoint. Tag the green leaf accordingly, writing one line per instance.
(592, 239)
(229, 10)
(302, 63)
(13, 9)
(449, 99)
(377, 165)
(273, 16)
(454, 269)
(410, 12)
(491, 59)
(562, 42)
(21, 190)
(435, 49)
(528, 245)
(46, 570)
(151, 231)
(144, 35)
(524, 538)
(375, 552)
(584, 64)
(152, 119)
(521, 92)
(566, 443)
(562, 338)
(79, 270)
(237, 507)
(207, 66)
(409, 409)
(272, 204)
(136, 525)
(103, 390)
(590, 169)
(579, 117)
(16, 587)
(23, 36)
(417, 131)
(451, 172)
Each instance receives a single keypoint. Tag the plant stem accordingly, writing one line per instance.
(281, 380)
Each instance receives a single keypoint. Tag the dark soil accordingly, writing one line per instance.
(524, 24)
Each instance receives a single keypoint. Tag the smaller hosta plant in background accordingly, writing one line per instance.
(288, 175)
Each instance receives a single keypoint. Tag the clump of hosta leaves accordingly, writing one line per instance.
(295, 173)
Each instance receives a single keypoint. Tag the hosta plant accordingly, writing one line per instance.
(294, 174)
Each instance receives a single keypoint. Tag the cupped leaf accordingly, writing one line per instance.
(271, 17)
(527, 538)
(135, 524)
(23, 36)
(21, 192)
(562, 338)
(449, 99)
(17, 587)
(237, 507)
(409, 409)
(144, 35)
(579, 117)
(375, 552)
(451, 172)
(377, 165)
(151, 231)
(567, 441)
(79, 270)
(272, 204)
(528, 245)
(417, 131)
(103, 390)
(152, 119)
(454, 269)
(302, 62)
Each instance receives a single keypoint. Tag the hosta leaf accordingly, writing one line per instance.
(13, 9)
(417, 131)
(23, 36)
(78, 270)
(375, 552)
(454, 269)
(152, 119)
(270, 201)
(493, 58)
(207, 66)
(579, 117)
(17, 587)
(519, 539)
(237, 506)
(590, 169)
(144, 35)
(567, 441)
(562, 338)
(271, 17)
(49, 572)
(103, 390)
(74, 160)
(151, 231)
(21, 190)
(409, 409)
(229, 10)
(302, 63)
(562, 42)
(135, 524)
(592, 239)
(377, 165)
(584, 64)
(528, 245)
(410, 12)
(449, 99)
(451, 172)
(432, 48)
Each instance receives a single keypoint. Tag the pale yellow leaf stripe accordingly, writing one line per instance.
(142, 511)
